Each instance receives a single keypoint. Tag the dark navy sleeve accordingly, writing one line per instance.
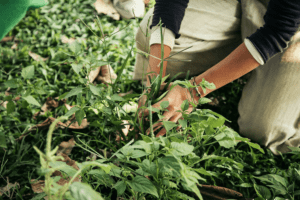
(171, 13)
(282, 21)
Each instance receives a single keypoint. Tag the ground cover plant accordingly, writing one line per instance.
(110, 159)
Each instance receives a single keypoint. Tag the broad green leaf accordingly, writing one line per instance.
(77, 67)
(164, 104)
(2, 140)
(95, 90)
(245, 185)
(194, 189)
(149, 167)
(169, 125)
(83, 191)
(73, 92)
(295, 150)
(31, 100)
(256, 146)
(87, 164)
(204, 100)
(72, 111)
(142, 184)
(185, 105)
(273, 179)
(225, 159)
(183, 123)
(280, 189)
(262, 191)
(226, 139)
(138, 154)
(169, 183)
(79, 115)
(28, 72)
(201, 171)
(182, 149)
(146, 138)
(10, 107)
(103, 178)
(116, 97)
(11, 83)
(170, 165)
(70, 171)
(75, 47)
(120, 187)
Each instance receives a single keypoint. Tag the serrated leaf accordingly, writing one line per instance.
(79, 115)
(83, 191)
(31, 100)
(138, 154)
(75, 47)
(28, 72)
(182, 149)
(116, 97)
(120, 187)
(164, 104)
(77, 67)
(73, 92)
(170, 165)
(95, 90)
(72, 111)
(183, 123)
(204, 100)
(142, 184)
(10, 107)
(70, 171)
(185, 105)
(169, 125)
(11, 83)
(2, 140)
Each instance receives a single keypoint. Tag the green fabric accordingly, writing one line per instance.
(12, 11)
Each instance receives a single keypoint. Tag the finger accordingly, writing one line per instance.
(162, 132)
(155, 127)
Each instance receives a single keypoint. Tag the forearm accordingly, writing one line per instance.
(154, 63)
(236, 64)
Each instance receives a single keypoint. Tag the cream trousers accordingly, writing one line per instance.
(269, 108)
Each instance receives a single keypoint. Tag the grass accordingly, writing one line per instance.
(40, 32)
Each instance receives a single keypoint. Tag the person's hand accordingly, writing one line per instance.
(105, 74)
(175, 97)
(143, 98)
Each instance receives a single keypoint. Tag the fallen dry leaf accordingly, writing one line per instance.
(14, 46)
(210, 192)
(48, 105)
(124, 94)
(37, 57)
(6, 190)
(65, 39)
(66, 147)
(106, 7)
(125, 131)
(93, 74)
(10, 38)
(105, 74)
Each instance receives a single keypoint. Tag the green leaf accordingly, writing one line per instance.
(149, 167)
(142, 184)
(280, 189)
(169, 183)
(204, 100)
(2, 140)
(79, 115)
(169, 125)
(73, 92)
(138, 154)
(31, 100)
(72, 111)
(164, 104)
(75, 47)
(70, 171)
(273, 179)
(116, 97)
(10, 107)
(95, 90)
(170, 165)
(256, 146)
(245, 185)
(103, 178)
(182, 149)
(201, 171)
(183, 123)
(83, 191)
(28, 72)
(11, 83)
(77, 67)
(185, 105)
(262, 191)
(120, 187)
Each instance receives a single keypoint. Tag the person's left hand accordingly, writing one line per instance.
(175, 97)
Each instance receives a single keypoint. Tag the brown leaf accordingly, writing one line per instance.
(214, 101)
(66, 147)
(14, 46)
(7, 190)
(37, 186)
(106, 7)
(106, 75)
(125, 131)
(210, 192)
(10, 38)
(124, 94)
(37, 57)
(93, 74)
(65, 39)
(48, 105)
